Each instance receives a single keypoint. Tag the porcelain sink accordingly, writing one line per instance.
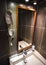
(33, 58)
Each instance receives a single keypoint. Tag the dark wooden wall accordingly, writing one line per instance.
(40, 32)
(4, 44)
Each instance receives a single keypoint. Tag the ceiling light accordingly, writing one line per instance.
(12, 4)
(29, 7)
(20, 4)
(35, 3)
(26, 0)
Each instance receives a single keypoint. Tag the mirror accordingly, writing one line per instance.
(26, 19)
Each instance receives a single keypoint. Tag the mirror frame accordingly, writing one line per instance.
(26, 8)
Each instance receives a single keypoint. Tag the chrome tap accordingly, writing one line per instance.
(24, 56)
(33, 47)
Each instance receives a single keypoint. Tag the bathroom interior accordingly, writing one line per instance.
(23, 32)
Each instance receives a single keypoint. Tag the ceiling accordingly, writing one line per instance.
(40, 3)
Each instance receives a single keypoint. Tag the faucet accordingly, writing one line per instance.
(24, 56)
(33, 48)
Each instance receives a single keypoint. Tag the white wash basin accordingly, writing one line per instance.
(33, 58)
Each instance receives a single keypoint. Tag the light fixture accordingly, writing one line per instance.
(26, 0)
(12, 4)
(35, 3)
(20, 4)
(29, 7)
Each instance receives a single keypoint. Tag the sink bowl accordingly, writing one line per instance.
(33, 58)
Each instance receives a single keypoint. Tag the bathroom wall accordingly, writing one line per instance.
(4, 42)
(40, 31)
(25, 29)
(13, 46)
(26, 25)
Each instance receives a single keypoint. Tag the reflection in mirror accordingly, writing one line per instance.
(26, 23)
(9, 23)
